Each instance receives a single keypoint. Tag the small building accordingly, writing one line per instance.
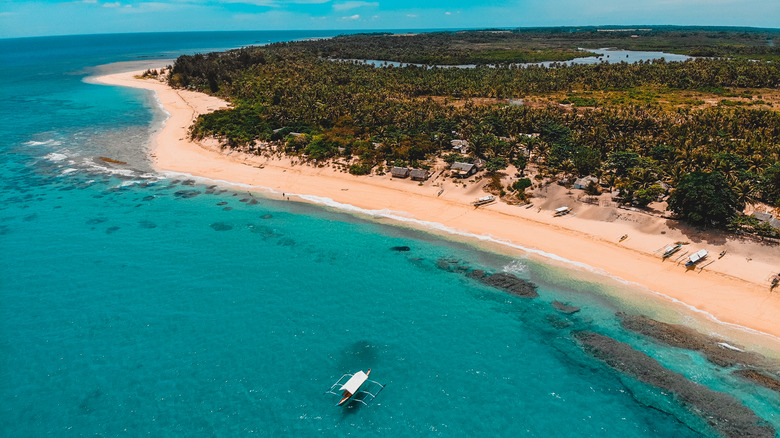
(461, 146)
(584, 182)
(763, 217)
(463, 170)
(399, 172)
(419, 174)
(767, 218)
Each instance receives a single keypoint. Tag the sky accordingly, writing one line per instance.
(21, 18)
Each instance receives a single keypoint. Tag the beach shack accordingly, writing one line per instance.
(767, 218)
(463, 170)
(584, 182)
(419, 174)
(399, 172)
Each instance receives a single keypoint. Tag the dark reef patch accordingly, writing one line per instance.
(266, 216)
(771, 382)
(721, 411)
(265, 232)
(221, 203)
(400, 248)
(565, 308)
(186, 194)
(147, 224)
(97, 220)
(252, 201)
(511, 284)
(112, 230)
(227, 208)
(221, 226)
(685, 337)
(286, 241)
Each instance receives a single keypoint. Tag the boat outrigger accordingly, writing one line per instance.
(349, 388)
(697, 257)
(669, 250)
(560, 211)
(484, 200)
(623, 237)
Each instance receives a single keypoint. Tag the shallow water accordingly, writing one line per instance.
(137, 303)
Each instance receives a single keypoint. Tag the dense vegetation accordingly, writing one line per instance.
(719, 158)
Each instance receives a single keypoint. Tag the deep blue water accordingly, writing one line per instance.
(134, 304)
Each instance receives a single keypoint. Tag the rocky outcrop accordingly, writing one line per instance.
(511, 284)
(721, 411)
(565, 308)
(762, 379)
(716, 350)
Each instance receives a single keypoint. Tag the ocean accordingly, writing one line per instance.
(135, 303)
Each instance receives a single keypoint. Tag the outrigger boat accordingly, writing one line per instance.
(775, 281)
(697, 257)
(560, 211)
(671, 250)
(351, 388)
(722, 253)
(484, 200)
(623, 237)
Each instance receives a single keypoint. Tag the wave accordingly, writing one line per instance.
(55, 157)
(50, 142)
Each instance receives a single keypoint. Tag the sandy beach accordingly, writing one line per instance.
(734, 289)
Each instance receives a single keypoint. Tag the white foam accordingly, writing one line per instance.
(55, 157)
(50, 142)
(91, 165)
(516, 267)
(729, 346)
(405, 217)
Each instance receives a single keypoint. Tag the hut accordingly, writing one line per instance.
(584, 182)
(419, 174)
(463, 170)
(399, 172)
(767, 218)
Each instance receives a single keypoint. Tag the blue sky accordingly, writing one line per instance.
(54, 17)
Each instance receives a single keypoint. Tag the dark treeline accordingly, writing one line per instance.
(206, 71)
(719, 158)
(501, 46)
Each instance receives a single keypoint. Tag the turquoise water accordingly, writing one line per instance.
(138, 304)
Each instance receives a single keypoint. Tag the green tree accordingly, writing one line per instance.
(495, 164)
(704, 199)
(770, 184)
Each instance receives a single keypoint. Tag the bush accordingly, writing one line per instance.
(359, 169)
(521, 184)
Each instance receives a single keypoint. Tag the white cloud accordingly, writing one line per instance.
(351, 17)
(412, 15)
(352, 5)
(112, 5)
(448, 13)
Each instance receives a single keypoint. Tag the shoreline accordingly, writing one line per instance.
(730, 290)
